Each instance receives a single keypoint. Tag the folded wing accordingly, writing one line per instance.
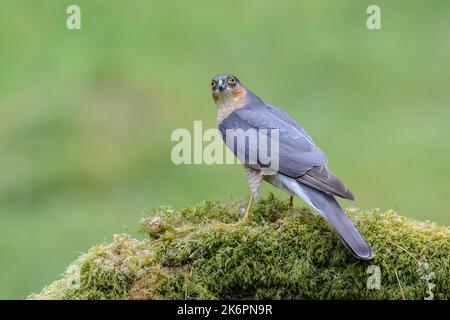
(299, 158)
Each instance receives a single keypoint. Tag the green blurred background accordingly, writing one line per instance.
(86, 115)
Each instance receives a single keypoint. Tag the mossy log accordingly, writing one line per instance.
(201, 252)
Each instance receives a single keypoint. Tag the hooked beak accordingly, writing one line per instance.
(221, 85)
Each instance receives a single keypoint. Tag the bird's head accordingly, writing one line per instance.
(225, 86)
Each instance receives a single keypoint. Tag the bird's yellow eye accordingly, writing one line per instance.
(232, 81)
(213, 84)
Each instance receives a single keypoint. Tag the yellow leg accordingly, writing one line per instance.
(291, 202)
(249, 209)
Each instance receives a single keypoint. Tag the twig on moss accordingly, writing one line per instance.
(409, 253)
(399, 284)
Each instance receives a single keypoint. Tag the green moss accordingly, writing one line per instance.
(200, 252)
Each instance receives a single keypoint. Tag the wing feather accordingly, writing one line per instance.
(299, 158)
(321, 178)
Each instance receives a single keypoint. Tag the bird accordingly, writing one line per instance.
(302, 167)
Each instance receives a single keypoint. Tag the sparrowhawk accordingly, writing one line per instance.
(302, 167)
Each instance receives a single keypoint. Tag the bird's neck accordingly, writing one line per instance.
(229, 103)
